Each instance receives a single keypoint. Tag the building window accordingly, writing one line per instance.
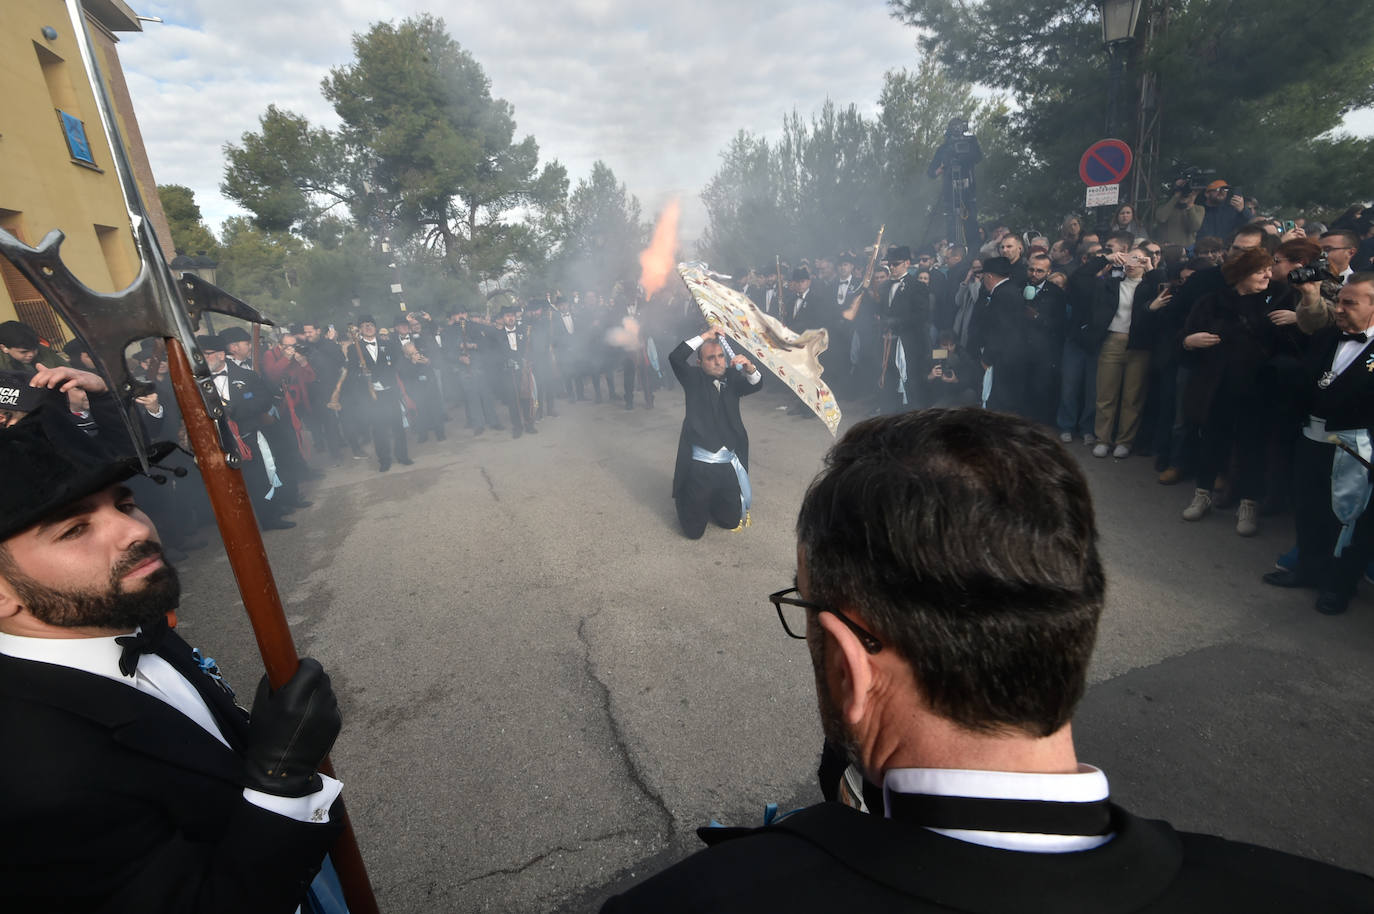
(75, 131)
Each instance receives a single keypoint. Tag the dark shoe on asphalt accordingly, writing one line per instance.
(497, 427)
(405, 461)
(300, 503)
(517, 432)
(629, 406)
(277, 523)
(478, 431)
(531, 430)
(384, 467)
(1331, 604)
(1286, 578)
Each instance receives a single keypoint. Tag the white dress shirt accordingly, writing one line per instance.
(1088, 785)
(158, 678)
(1349, 350)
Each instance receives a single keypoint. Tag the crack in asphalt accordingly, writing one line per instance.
(637, 777)
(491, 486)
(560, 849)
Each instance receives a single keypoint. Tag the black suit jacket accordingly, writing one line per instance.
(113, 801)
(907, 313)
(832, 858)
(382, 369)
(705, 425)
(1348, 403)
(250, 398)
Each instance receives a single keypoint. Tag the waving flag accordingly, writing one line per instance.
(793, 357)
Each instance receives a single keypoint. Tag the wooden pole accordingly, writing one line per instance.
(238, 528)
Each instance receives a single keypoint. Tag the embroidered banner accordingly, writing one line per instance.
(793, 357)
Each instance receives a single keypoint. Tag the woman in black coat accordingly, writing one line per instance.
(1234, 335)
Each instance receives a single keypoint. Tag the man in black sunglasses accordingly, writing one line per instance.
(949, 590)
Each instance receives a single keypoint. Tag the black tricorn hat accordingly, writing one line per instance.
(41, 478)
(997, 266)
(897, 253)
(234, 335)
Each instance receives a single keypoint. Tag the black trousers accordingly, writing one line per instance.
(1239, 424)
(383, 417)
(1318, 528)
(711, 494)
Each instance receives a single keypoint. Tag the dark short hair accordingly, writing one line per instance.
(966, 539)
(1350, 237)
(1241, 265)
(1207, 244)
(18, 335)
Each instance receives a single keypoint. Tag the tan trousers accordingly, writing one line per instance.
(1121, 378)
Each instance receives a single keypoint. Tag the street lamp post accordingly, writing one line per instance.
(1118, 30)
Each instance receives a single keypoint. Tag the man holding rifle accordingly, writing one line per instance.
(131, 781)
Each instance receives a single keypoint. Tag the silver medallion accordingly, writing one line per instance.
(1325, 381)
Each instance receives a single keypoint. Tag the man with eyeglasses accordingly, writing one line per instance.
(1339, 246)
(949, 588)
(711, 479)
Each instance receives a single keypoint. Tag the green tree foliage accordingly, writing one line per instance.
(440, 152)
(1239, 89)
(827, 183)
(190, 235)
(254, 266)
(425, 159)
(602, 233)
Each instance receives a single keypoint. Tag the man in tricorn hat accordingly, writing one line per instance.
(904, 312)
(510, 342)
(372, 363)
(130, 780)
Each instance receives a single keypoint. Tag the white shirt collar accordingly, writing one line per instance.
(1088, 785)
(94, 655)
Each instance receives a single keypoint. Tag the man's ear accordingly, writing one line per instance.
(9, 600)
(849, 668)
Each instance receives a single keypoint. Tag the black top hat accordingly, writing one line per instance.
(997, 266)
(800, 274)
(41, 478)
(897, 253)
(847, 257)
(210, 342)
(366, 319)
(234, 335)
(508, 309)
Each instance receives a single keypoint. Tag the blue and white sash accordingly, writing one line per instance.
(725, 455)
(1350, 486)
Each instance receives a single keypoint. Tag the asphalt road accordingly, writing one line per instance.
(546, 689)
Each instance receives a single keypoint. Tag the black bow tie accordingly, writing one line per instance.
(1354, 337)
(146, 641)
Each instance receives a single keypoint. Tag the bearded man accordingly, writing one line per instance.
(130, 780)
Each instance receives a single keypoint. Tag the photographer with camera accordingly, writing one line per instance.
(954, 161)
(1178, 218)
(1224, 210)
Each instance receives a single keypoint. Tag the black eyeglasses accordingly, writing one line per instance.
(798, 623)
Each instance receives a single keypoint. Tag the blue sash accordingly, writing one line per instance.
(725, 455)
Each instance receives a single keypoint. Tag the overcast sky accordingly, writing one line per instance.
(654, 90)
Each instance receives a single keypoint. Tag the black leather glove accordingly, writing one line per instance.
(290, 732)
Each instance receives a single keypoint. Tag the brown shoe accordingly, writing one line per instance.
(1170, 476)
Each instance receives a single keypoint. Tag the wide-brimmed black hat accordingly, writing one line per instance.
(234, 335)
(997, 266)
(897, 253)
(41, 478)
(800, 274)
(210, 342)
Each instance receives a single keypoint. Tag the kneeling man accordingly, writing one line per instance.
(711, 481)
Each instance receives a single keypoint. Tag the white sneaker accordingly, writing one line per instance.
(1088, 439)
(1247, 517)
(1121, 451)
(1066, 437)
(1200, 505)
(1101, 450)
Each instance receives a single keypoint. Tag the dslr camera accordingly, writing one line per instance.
(1191, 179)
(1315, 271)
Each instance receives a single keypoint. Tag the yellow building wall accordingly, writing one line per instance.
(41, 186)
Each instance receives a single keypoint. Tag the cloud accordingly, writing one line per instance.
(654, 91)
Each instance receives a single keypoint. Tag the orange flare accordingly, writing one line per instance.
(656, 261)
